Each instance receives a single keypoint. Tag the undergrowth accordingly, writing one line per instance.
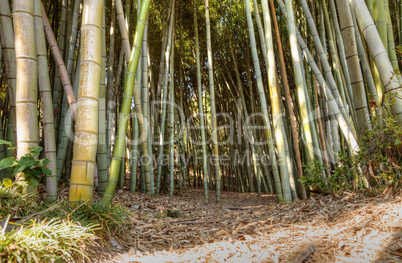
(112, 220)
(376, 166)
(48, 241)
(15, 204)
(62, 233)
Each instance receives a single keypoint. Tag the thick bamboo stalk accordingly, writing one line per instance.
(378, 52)
(47, 106)
(352, 58)
(86, 133)
(27, 79)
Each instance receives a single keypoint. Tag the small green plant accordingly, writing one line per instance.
(26, 166)
(47, 241)
(113, 220)
(173, 213)
(314, 177)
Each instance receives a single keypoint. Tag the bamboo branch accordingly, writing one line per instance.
(68, 89)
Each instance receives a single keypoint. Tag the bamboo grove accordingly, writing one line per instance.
(231, 95)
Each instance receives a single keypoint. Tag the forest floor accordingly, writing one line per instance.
(247, 228)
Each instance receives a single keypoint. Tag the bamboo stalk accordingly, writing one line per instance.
(129, 92)
(68, 91)
(27, 79)
(47, 106)
(86, 132)
(8, 48)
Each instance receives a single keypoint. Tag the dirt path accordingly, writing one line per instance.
(245, 228)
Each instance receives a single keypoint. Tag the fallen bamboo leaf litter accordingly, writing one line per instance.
(247, 228)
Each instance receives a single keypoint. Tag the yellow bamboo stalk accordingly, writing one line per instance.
(86, 135)
(27, 72)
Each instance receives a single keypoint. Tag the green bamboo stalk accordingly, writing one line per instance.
(164, 99)
(277, 119)
(129, 91)
(138, 86)
(352, 58)
(61, 45)
(380, 18)
(200, 104)
(57, 55)
(365, 63)
(8, 48)
(70, 65)
(287, 94)
(101, 157)
(213, 106)
(391, 40)
(9, 152)
(341, 52)
(335, 105)
(146, 104)
(171, 119)
(110, 84)
(287, 197)
(333, 52)
(134, 154)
